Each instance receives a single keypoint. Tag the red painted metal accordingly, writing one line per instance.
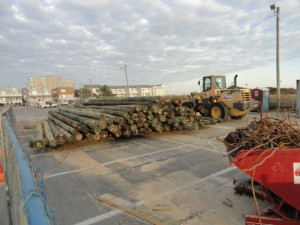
(276, 170)
(2, 179)
(254, 220)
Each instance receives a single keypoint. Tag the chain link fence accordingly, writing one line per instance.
(25, 194)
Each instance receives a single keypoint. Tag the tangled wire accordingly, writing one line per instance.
(268, 133)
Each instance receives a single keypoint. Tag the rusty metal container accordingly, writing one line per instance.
(263, 96)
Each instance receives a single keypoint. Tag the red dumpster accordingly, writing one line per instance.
(278, 172)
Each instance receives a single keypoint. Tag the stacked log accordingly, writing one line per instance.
(111, 117)
(51, 141)
(38, 139)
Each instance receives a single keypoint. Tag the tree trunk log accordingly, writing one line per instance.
(49, 135)
(75, 124)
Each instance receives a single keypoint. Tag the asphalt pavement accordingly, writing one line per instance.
(175, 178)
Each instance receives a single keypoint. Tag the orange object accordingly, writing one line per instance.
(1, 174)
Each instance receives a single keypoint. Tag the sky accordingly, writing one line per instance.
(169, 42)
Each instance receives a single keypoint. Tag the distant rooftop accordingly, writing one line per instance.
(121, 86)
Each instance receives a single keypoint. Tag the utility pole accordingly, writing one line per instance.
(277, 57)
(125, 69)
(276, 11)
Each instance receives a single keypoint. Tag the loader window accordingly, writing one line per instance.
(220, 82)
(206, 83)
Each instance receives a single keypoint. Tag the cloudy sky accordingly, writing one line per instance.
(169, 42)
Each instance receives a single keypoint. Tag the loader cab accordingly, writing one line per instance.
(213, 82)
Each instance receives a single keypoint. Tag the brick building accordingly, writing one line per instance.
(63, 95)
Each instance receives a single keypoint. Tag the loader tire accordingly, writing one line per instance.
(219, 110)
(203, 110)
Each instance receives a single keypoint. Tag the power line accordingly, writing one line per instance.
(232, 39)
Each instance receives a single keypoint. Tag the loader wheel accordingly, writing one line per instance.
(203, 110)
(219, 110)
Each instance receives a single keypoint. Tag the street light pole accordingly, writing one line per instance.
(125, 69)
(276, 11)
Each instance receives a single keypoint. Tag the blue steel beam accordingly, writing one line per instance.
(34, 205)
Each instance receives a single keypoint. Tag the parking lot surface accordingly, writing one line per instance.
(172, 178)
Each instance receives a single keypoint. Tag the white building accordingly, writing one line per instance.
(134, 90)
(10, 96)
(14, 96)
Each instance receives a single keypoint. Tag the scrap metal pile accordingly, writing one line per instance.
(268, 133)
(112, 117)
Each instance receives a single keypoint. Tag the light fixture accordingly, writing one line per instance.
(273, 7)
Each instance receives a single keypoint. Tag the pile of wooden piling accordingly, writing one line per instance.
(115, 118)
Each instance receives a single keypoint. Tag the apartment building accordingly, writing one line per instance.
(134, 90)
(44, 85)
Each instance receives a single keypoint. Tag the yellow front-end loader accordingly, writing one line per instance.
(217, 101)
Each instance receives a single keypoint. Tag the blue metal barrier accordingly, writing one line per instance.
(26, 199)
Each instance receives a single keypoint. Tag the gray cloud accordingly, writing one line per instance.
(161, 42)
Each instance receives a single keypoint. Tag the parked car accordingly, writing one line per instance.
(54, 104)
(51, 104)
(45, 105)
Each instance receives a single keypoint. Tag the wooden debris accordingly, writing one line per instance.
(30, 126)
(140, 212)
(159, 208)
(227, 202)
